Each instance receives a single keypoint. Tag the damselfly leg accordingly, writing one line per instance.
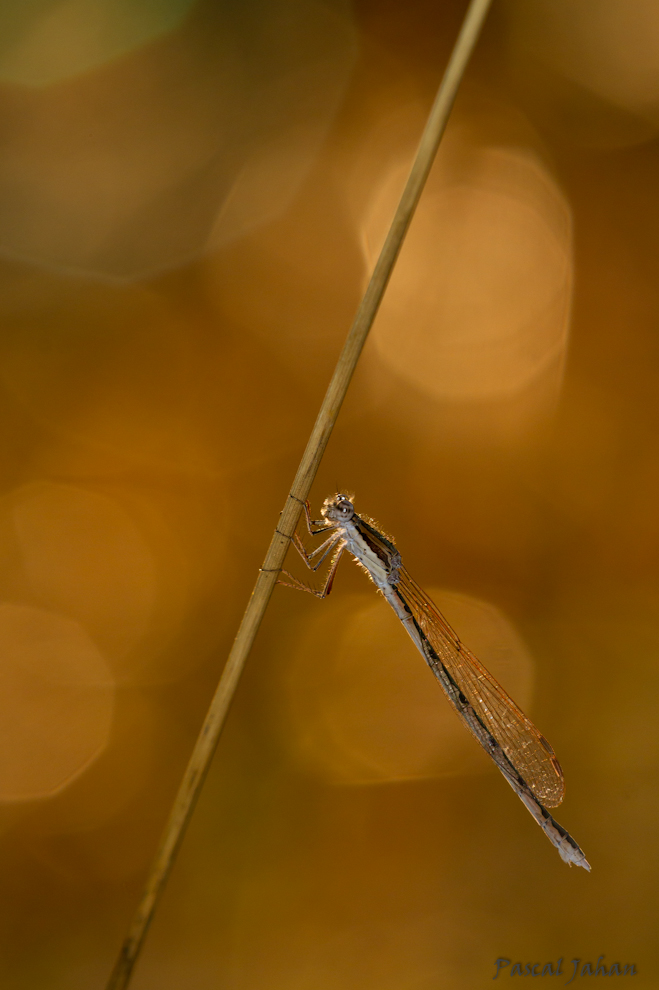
(327, 546)
(322, 526)
(517, 748)
(333, 542)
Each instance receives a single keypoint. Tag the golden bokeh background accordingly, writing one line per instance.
(193, 196)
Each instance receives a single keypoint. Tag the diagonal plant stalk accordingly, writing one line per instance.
(210, 731)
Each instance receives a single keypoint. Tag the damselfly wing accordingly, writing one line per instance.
(526, 748)
(519, 750)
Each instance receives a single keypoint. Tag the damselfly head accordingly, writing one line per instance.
(338, 508)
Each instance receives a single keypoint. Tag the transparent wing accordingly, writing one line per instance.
(526, 748)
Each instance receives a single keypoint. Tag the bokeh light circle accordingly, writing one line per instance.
(607, 48)
(366, 709)
(83, 555)
(46, 41)
(56, 702)
(136, 138)
(478, 305)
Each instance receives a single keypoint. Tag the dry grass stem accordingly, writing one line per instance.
(208, 737)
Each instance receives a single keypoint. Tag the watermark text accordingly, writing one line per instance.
(572, 969)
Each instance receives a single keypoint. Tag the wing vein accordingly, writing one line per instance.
(526, 748)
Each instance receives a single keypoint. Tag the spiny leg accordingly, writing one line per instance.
(329, 580)
(327, 546)
(320, 523)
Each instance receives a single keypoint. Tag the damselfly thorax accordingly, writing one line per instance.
(519, 750)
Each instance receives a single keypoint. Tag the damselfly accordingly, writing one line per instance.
(521, 753)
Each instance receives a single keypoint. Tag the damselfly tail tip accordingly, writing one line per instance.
(572, 855)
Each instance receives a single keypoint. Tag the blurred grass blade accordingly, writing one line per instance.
(208, 737)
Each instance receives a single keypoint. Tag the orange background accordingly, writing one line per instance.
(193, 196)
